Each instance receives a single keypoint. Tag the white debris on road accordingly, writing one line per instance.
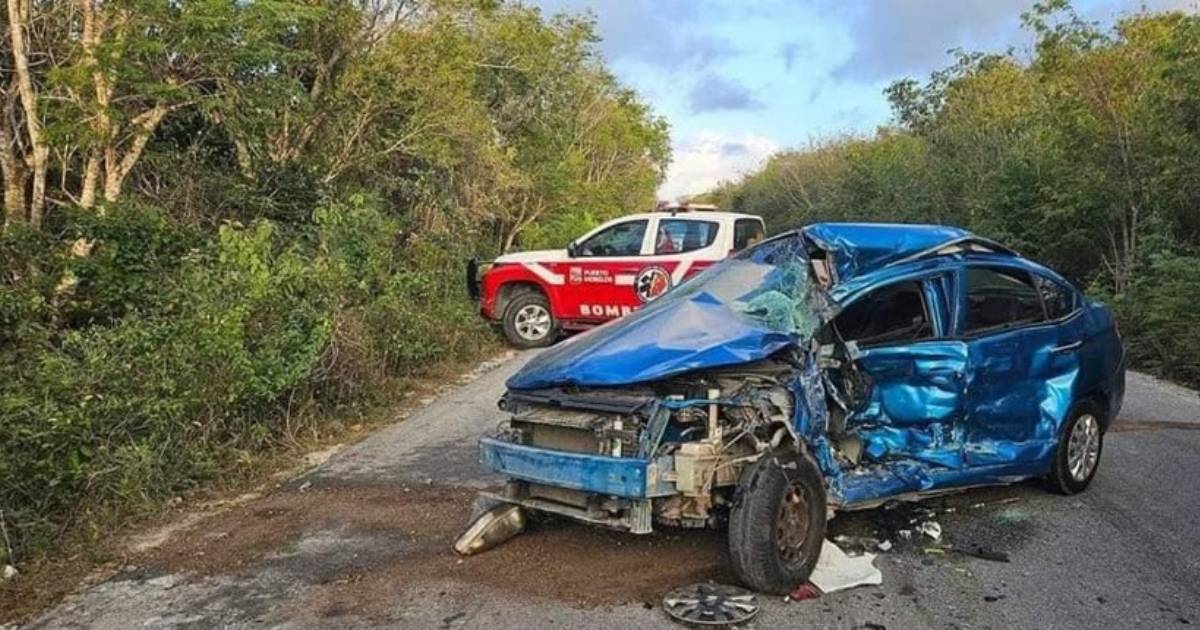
(836, 571)
(932, 529)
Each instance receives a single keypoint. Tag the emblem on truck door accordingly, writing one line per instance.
(652, 282)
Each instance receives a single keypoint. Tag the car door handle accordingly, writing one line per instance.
(1066, 347)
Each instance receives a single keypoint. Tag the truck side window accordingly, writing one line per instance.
(746, 232)
(891, 314)
(1001, 298)
(677, 236)
(622, 239)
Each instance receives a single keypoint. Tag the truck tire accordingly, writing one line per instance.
(528, 322)
(777, 524)
(1077, 457)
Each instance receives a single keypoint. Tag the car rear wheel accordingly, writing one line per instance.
(1079, 447)
(528, 322)
(777, 524)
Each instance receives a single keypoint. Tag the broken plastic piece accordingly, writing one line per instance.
(836, 571)
(492, 528)
(981, 552)
(805, 591)
(932, 529)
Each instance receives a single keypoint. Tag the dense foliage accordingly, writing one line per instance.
(228, 223)
(1085, 157)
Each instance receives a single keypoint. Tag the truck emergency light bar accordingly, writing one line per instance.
(666, 206)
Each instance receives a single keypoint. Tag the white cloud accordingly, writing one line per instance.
(708, 158)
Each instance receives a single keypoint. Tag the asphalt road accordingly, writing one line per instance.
(363, 540)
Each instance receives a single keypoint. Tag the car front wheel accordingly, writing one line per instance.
(777, 524)
(1078, 453)
(528, 322)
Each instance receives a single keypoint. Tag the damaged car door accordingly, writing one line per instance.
(1012, 362)
(912, 378)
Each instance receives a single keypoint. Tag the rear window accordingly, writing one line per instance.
(676, 236)
(747, 232)
(1001, 298)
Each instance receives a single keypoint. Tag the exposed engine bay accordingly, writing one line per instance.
(700, 431)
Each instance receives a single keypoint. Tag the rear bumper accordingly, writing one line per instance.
(599, 474)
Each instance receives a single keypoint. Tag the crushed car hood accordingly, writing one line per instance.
(743, 309)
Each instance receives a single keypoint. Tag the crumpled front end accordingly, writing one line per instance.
(626, 458)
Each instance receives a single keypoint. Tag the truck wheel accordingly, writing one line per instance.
(777, 524)
(1078, 453)
(528, 322)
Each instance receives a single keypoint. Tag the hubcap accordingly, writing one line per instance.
(792, 528)
(532, 322)
(1083, 448)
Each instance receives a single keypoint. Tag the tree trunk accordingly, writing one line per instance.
(102, 123)
(91, 180)
(18, 18)
(14, 178)
(117, 169)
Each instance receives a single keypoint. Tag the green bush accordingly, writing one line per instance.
(1159, 321)
(200, 366)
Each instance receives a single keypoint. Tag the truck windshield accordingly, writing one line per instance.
(769, 284)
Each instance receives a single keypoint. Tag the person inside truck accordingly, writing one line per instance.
(664, 244)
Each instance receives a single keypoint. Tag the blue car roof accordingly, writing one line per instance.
(860, 248)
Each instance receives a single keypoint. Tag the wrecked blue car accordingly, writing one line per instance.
(835, 367)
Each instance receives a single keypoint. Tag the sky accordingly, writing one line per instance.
(741, 79)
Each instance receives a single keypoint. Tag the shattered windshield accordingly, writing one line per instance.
(768, 284)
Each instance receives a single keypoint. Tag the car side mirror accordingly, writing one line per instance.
(572, 251)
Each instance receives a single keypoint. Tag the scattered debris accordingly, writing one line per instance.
(977, 551)
(860, 543)
(805, 591)
(1003, 501)
(304, 486)
(836, 571)
(492, 528)
(9, 572)
(708, 604)
(981, 552)
(1010, 516)
(932, 529)
(885, 545)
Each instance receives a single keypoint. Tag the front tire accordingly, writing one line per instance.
(528, 322)
(777, 524)
(1078, 454)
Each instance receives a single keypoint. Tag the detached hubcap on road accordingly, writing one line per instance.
(1083, 449)
(533, 322)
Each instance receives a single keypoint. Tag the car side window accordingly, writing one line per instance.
(1001, 298)
(746, 232)
(1059, 299)
(677, 236)
(895, 313)
(622, 239)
